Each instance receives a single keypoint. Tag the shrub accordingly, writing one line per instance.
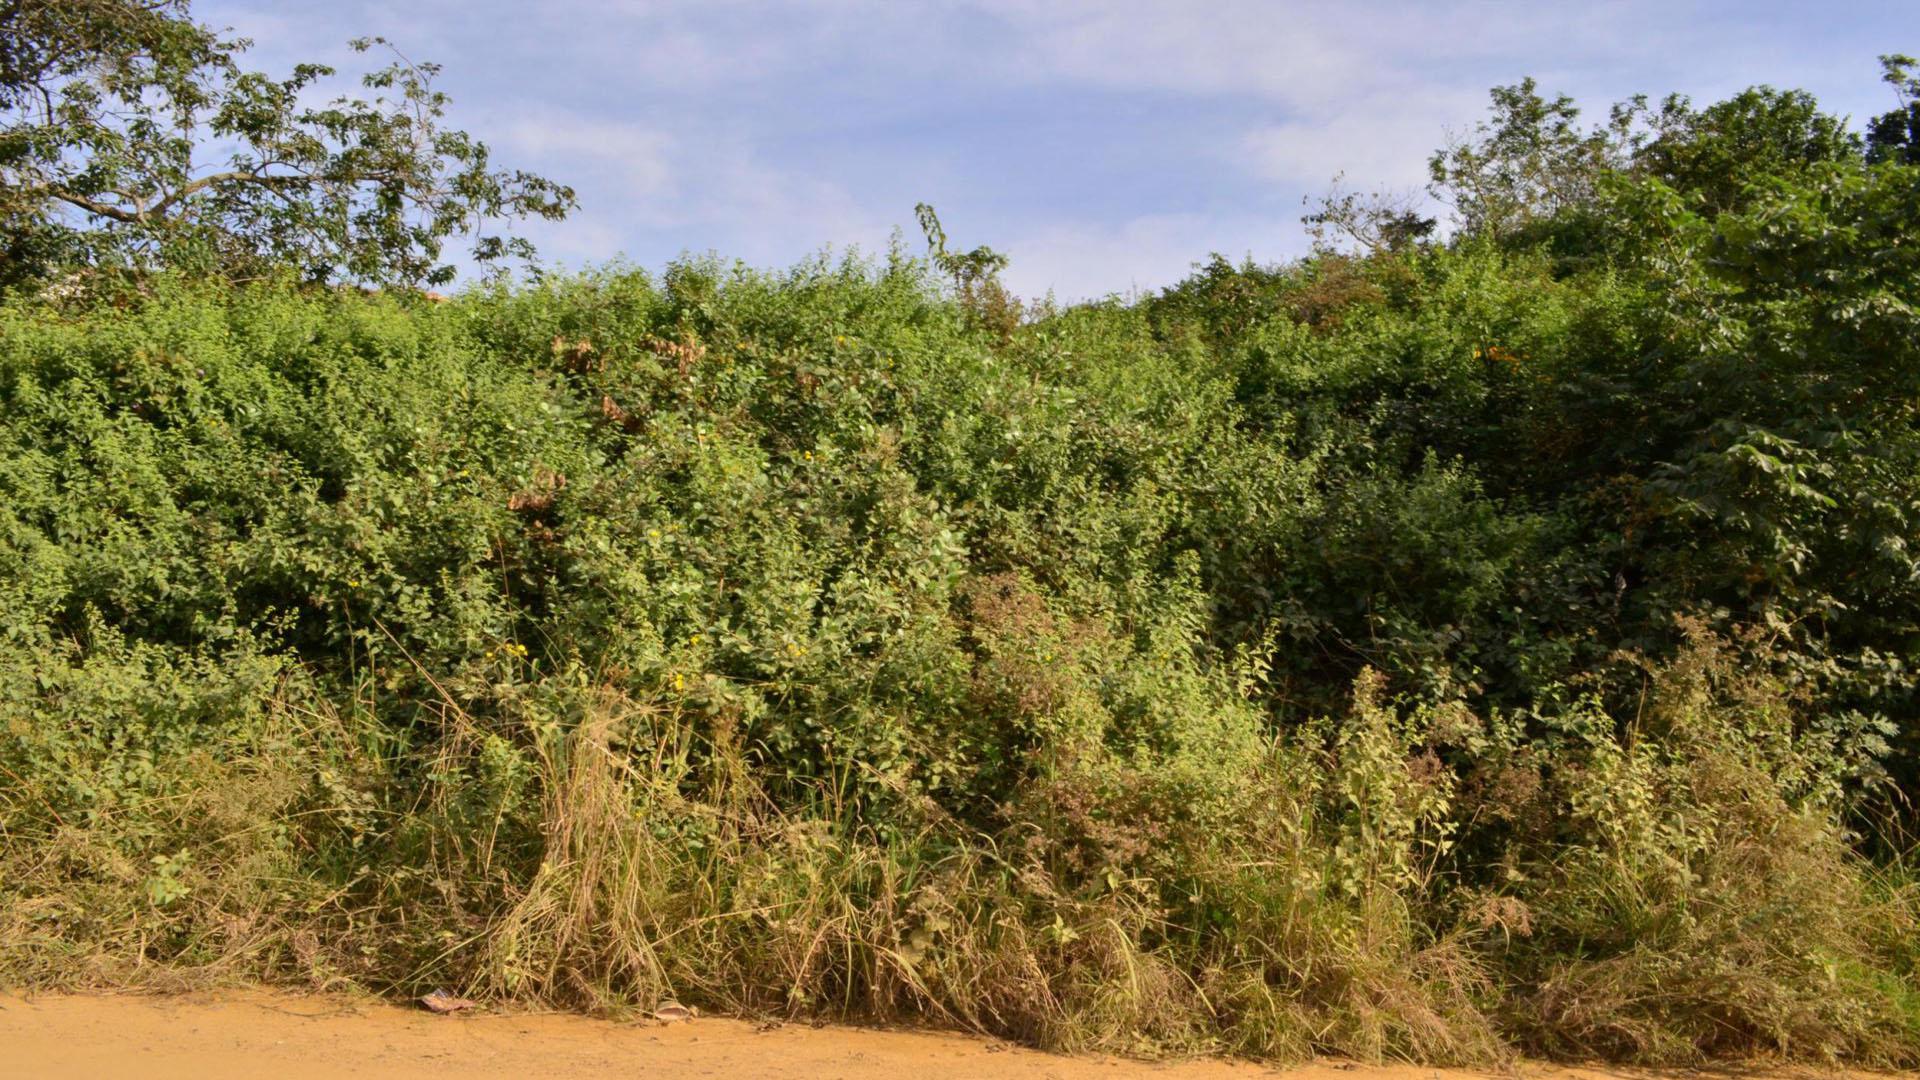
(1205, 674)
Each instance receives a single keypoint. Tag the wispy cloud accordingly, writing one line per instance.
(1381, 141)
(639, 160)
(1093, 260)
(1106, 144)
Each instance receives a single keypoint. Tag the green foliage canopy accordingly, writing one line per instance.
(132, 137)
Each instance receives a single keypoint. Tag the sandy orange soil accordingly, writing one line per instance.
(247, 1035)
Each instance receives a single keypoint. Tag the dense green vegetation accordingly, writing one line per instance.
(131, 137)
(1447, 648)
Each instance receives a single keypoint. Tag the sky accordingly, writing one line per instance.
(1106, 147)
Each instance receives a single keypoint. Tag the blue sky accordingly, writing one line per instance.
(1105, 146)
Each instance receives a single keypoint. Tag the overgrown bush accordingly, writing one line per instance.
(1399, 656)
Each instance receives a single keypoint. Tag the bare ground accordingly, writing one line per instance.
(253, 1034)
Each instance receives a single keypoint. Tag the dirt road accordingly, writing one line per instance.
(234, 1036)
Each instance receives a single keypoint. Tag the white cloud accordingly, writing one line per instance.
(1378, 142)
(1264, 49)
(1316, 55)
(639, 160)
(768, 129)
(645, 189)
(1088, 261)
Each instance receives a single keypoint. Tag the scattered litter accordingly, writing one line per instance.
(672, 1012)
(441, 1003)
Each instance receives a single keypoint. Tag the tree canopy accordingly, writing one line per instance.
(132, 137)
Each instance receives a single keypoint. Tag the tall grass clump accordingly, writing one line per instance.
(1703, 895)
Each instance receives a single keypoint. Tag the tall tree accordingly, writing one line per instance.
(1530, 161)
(131, 136)
(1714, 155)
(1895, 135)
